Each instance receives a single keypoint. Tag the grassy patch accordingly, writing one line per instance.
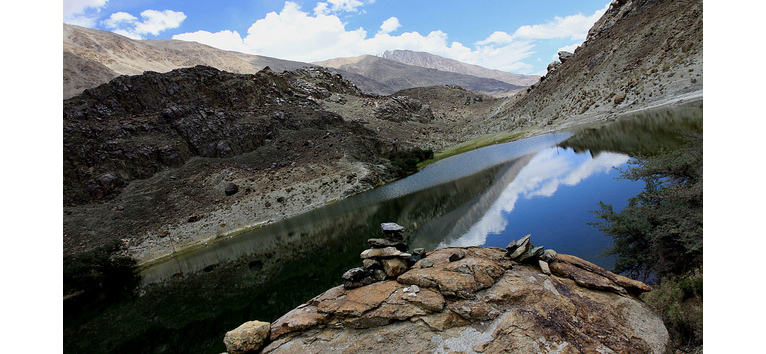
(480, 142)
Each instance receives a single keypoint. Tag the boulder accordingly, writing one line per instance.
(504, 307)
(564, 56)
(231, 189)
(248, 337)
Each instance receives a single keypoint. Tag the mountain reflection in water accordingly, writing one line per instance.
(484, 197)
(490, 219)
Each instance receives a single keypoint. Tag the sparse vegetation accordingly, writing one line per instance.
(659, 234)
(406, 161)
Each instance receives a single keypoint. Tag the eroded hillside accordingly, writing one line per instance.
(153, 159)
(640, 53)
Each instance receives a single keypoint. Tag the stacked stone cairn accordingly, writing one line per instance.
(523, 251)
(387, 258)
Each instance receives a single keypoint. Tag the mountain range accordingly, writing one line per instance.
(93, 57)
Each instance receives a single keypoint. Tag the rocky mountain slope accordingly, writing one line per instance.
(431, 61)
(198, 153)
(93, 57)
(639, 54)
(394, 76)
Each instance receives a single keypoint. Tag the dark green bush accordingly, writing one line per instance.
(405, 162)
(100, 272)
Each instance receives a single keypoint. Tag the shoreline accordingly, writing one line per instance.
(190, 243)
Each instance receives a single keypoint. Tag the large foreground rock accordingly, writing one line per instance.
(483, 302)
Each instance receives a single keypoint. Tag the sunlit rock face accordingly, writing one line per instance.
(480, 302)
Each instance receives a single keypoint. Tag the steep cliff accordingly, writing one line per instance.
(640, 53)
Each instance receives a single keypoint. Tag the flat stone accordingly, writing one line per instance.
(427, 299)
(625, 282)
(544, 267)
(391, 227)
(461, 278)
(521, 249)
(444, 320)
(383, 243)
(383, 252)
(392, 231)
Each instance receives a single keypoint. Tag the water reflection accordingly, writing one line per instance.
(542, 176)
(484, 197)
(436, 190)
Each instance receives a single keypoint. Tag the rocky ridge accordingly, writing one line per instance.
(469, 299)
(641, 53)
(390, 76)
(428, 60)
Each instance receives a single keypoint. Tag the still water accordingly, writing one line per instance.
(545, 186)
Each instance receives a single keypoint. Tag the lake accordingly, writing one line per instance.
(545, 186)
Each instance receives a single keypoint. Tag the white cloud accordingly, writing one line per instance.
(390, 25)
(153, 22)
(338, 6)
(574, 27)
(226, 40)
(75, 7)
(83, 12)
(297, 35)
(118, 19)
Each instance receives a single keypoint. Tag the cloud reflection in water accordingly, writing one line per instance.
(542, 177)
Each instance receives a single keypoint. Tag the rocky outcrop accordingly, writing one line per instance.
(564, 56)
(640, 53)
(402, 108)
(477, 299)
(134, 126)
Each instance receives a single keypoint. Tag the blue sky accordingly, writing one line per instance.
(516, 36)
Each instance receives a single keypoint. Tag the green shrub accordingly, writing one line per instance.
(659, 233)
(405, 162)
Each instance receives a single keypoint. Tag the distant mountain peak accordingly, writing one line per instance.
(433, 61)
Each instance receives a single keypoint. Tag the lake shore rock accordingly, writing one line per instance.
(482, 302)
